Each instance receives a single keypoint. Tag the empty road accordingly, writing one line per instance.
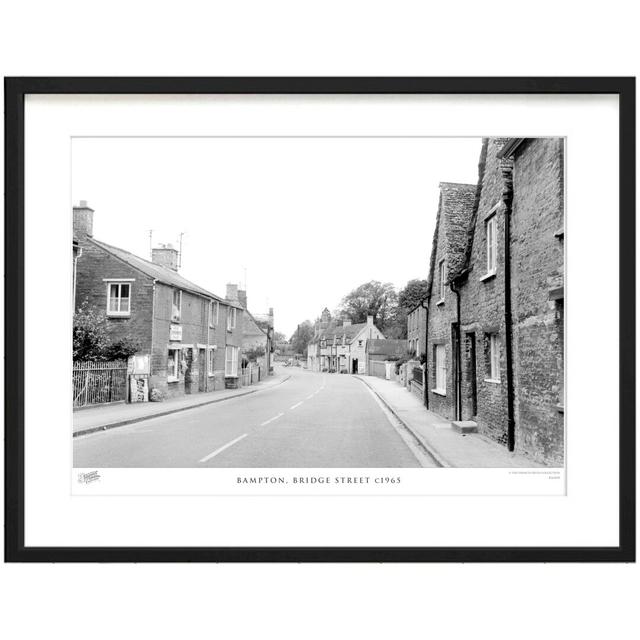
(311, 420)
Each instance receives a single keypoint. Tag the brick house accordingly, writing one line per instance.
(257, 330)
(502, 324)
(341, 346)
(189, 338)
(417, 330)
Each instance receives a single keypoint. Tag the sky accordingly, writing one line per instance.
(300, 221)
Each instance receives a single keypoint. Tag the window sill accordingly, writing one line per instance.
(488, 276)
(440, 303)
(118, 315)
(173, 380)
(439, 392)
(175, 320)
(227, 375)
(492, 380)
(560, 408)
(211, 375)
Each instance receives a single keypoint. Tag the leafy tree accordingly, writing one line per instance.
(91, 340)
(411, 296)
(301, 337)
(254, 353)
(89, 333)
(373, 298)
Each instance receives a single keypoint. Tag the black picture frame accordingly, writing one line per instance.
(15, 91)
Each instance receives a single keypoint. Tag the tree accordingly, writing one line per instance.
(301, 337)
(279, 337)
(89, 333)
(373, 298)
(254, 353)
(91, 340)
(411, 296)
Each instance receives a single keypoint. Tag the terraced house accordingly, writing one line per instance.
(340, 346)
(188, 338)
(496, 307)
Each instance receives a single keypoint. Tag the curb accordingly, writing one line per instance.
(428, 448)
(122, 423)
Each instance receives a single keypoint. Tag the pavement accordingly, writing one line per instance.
(448, 447)
(308, 420)
(108, 416)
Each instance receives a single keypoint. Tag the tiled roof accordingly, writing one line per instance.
(350, 332)
(160, 273)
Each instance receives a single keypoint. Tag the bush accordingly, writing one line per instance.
(156, 395)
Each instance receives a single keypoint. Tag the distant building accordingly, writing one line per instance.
(417, 330)
(340, 346)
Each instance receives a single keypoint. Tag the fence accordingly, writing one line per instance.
(99, 382)
(250, 375)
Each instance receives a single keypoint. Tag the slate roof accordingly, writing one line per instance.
(158, 272)
(350, 331)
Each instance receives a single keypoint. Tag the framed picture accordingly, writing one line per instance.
(320, 319)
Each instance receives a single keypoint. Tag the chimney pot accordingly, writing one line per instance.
(232, 292)
(82, 220)
(165, 256)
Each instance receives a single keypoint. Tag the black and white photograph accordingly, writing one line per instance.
(318, 302)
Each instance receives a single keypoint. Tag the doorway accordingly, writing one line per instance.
(188, 356)
(472, 386)
(202, 369)
(354, 365)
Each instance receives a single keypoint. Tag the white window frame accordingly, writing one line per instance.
(175, 316)
(211, 356)
(231, 372)
(118, 312)
(491, 235)
(440, 368)
(173, 365)
(494, 358)
(214, 312)
(231, 318)
(441, 280)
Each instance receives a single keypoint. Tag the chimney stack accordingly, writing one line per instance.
(166, 256)
(82, 220)
(232, 292)
(242, 298)
(370, 321)
(346, 322)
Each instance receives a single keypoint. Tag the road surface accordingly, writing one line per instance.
(311, 420)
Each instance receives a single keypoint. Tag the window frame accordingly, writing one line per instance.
(494, 358)
(173, 377)
(234, 359)
(440, 369)
(118, 313)
(491, 239)
(232, 318)
(176, 317)
(214, 316)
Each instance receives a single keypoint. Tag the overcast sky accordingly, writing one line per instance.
(307, 219)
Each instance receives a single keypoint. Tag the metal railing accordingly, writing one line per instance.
(99, 382)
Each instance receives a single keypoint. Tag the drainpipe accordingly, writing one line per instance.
(507, 198)
(457, 355)
(426, 351)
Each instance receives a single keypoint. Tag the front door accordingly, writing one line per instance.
(188, 356)
(202, 369)
(354, 366)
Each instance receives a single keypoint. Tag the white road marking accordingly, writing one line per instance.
(223, 447)
(272, 419)
(296, 405)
